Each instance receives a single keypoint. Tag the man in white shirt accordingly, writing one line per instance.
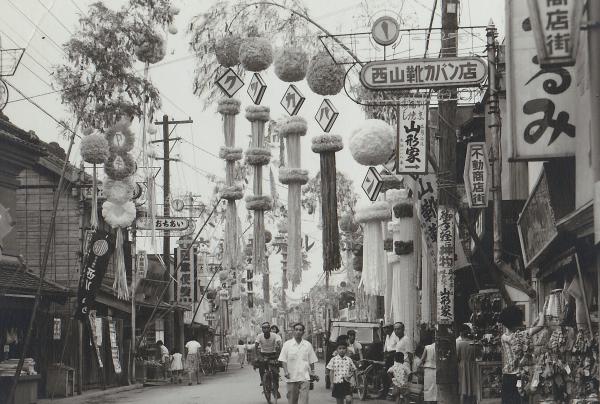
(191, 360)
(298, 359)
(403, 343)
(354, 347)
(389, 350)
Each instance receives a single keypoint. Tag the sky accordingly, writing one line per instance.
(42, 26)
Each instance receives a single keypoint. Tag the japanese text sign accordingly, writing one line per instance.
(555, 25)
(412, 141)
(424, 73)
(372, 183)
(99, 249)
(427, 205)
(114, 347)
(541, 100)
(476, 175)
(445, 265)
(186, 277)
(163, 223)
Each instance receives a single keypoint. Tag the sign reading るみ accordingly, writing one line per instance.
(445, 265)
(476, 175)
(541, 100)
(424, 73)
(412, 152)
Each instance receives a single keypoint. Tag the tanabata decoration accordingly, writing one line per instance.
(324, 76)
(374, 271)
(118, 192)
(372, 142)
(119, 166)
(291, 64)
(151, 48)
(348, 224)
(227, 50)
(256, 53)
(327, 146)
(120, 139)
(94, 150)
(257, 156)
(292, 129)
(231, 192)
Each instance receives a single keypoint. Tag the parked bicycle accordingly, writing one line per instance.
(369, 378)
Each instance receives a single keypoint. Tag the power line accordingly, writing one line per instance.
(49, 10)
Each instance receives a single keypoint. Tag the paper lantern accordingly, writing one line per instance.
(372, 143)
(227, 50)
(291, 64)
(94, 148)
(256, 53)
(323, 76)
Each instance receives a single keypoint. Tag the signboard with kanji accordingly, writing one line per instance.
(186, 276)
(372, 183)
(541, 101)
(56, 329)
(556, 25)
(385, 30)
(257, 88)
(326, 115)
(412, 141)
(476, 175)
(230, 82)
(445, 265)
(427, 204)
(468, 71)
(292, 100)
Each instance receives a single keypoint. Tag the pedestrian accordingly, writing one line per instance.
(241, 349)
(343, 370)
(298, 359)
(192, 349)
(511, 317)
(465, 354)
(399, 373)
(209, 348)
(428, 361)
(164, 357)
(389, 348)
(176, 366)
(354, 347)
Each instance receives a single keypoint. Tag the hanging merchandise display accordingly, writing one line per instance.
(229, 108)
(256, 52)
(227, 50)
(257, 156)
(324, 76)
(372, 142)
(293, 128)
(327, 146)
(291, 64)
(374, 270)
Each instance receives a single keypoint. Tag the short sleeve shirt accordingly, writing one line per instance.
(268, 345)
(512, 349)
(298, 357)
(391, 341)
(403, 345)
(399, 374)
(192, 347)
(355, 348)
(341, 367)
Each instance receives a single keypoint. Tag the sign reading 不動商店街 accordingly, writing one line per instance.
(409, 74)
(542, 101)
(445, 265)
(412, 146)
(476, 175)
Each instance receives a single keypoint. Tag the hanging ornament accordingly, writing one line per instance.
(348, 224)
(120, 283)
(118, 192)
(227, 50)
(119, 166)
(327, 146)
(324, 76)
(173, 29)
(151, 48)
(256, 53)
(119, 215)
(374, 269)
(94, 148)
(291, 64)
(120, 139)
(372, 143)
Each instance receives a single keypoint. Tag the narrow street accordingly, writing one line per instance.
(235, 386)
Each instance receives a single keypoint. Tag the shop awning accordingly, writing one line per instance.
(17, 281)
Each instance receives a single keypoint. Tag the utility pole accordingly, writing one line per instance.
(445, 346)
(175, 322)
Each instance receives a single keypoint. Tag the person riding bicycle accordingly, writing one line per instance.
(268, 346)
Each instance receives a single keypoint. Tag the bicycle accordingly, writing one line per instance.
(270, 381)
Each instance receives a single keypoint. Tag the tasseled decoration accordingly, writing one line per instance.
(374, 271)
(120, 284)
(327, 146)
(294, 177)
(229, 108)
(273, 186)
(151, 213)
(257, 156)
(94, 217)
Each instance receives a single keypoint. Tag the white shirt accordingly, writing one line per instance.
(403, 345)
(298, 357)
(192, 347)
(355, 348)
(341, 367)
(391, 342)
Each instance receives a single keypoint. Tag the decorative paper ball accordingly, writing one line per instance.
(94, 148)
(118, 192)
(174, 10)
(294, 125)
(227, 50)
(256, 54)
(327, 143)
(173, 29)
(348, 224)
(282, 226)
(117, 215)
(323, 76)
(151, 48)
(119, 166)
(291, 64)
(372, 143)
(120, 139)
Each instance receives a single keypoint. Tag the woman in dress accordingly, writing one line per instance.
(429, 368)
(466, 353)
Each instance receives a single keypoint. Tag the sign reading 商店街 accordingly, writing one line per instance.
(476, 175)
(542, 101)
(408, 74)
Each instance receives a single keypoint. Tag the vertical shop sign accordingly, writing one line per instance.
(412, 142)
(445, 265)
(476, 175)
(185, 276)
(427, 205)
(56, 329)
(542, 100)
(114, 347)
(94, 335)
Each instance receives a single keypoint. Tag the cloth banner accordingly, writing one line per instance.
(94, 335)
(114, 347)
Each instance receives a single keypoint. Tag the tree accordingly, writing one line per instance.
(346, 197)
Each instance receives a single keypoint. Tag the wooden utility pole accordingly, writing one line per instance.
(445, 343)
(175, 322)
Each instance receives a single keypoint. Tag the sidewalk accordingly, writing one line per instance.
(89, 394)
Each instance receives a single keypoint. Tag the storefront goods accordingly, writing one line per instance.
(372, 142)
(327, 146)
(227, 50)
(291, 64)
(324, 76)
(374, 271)
(256, 53)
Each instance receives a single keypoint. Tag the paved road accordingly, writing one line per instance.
(236, 386)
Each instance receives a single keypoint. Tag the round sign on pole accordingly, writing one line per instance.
(3, 95)
(178, 205)
(385, 30)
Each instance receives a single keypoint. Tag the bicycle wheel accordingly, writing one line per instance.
(275, 389)
(266, 384)
(362, 386)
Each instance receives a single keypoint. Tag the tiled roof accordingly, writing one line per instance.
(16, 279)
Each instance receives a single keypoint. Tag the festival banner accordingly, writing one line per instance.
(99, 250)
(427, 204)
(93, 321)
(412, 145)
(445, 265)
(114, 347)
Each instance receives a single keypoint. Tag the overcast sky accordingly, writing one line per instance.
(56, 20)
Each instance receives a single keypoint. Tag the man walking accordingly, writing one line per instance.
(192, 360)
(298, 359)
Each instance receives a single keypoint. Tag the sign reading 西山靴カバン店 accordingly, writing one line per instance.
(408, 74)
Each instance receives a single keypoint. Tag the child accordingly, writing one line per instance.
(343, 370)
(177, 366)
(399, 373)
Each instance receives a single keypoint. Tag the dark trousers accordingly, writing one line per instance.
(510, 392)
(389, 362)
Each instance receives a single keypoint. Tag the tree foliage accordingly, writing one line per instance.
(346, 197)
